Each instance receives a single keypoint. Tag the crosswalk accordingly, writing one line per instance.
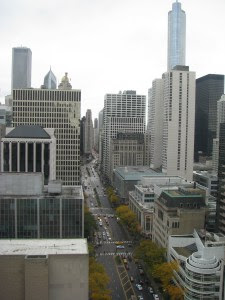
(118, 242)
(114, 253)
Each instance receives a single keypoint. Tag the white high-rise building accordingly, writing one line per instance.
(88, 133)
(123, 113)
(220, 119)
(179, 122)
(58, 109)
(155, 123)
(21, 68)
(176, 37)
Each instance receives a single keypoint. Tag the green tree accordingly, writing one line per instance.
(151, 254)
(89, 223)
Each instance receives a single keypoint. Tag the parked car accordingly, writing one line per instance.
(156, 297)
(150, 289)
(140, 297)
(131, 279)
(139, 287)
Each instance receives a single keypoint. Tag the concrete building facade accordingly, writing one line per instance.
(88, 133)
(58, 109)
(123, 113)
(47, 269)
(29, 148)
(200, 258)
(178, 122)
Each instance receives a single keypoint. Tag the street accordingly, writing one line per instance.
(111, 240)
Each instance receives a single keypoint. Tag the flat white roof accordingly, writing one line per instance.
(43, 246)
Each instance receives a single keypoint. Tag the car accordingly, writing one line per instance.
(150, 289)
(139, 266)
(140, 297)
(118, 243)
(127, 267)
(131, 279)
(141, 272)
(139, 287)
(109, 238)
(141, 282)
(156, 297)
(120, 247)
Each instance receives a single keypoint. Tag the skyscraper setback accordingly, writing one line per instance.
(176, 36)
(21, 68)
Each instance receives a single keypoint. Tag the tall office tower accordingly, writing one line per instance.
(220, 119)
(58, 109)
(221, 178)
(50, 81)
(100, 135)
(178, 124)
(155, 123)
(21, 68)
(89, 133)
(123, 113)
(96, 134)
(82, 135)
(176, 37)
(209, 90)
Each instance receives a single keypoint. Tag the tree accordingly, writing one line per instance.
(114, 199)
(165, 272)
(151, 254)
(89, 222)
(128, 218)
(98, 281)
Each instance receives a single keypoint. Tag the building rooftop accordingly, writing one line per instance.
(28, 131)
(136, 173)
(43, 246)
(186, 251)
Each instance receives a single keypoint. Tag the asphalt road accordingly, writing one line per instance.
(108, 234)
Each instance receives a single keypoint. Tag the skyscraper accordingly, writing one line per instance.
(50, 81)
(209, 90)
(21, 68)
(179, 119)
(176, 36)
(89, 133)
(123, 113)
(155, 123)
(59, 109)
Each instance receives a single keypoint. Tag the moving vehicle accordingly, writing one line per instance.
(139, 287)
(150, 289)
(140, 297)
(120, 247)
(156, 297)
(131, 279)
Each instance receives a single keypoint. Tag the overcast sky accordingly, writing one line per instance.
(107, 45)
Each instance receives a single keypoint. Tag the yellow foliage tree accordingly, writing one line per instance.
(164, 272)
(98, 281)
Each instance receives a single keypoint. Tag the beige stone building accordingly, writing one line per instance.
(178, 211)
(44, 269)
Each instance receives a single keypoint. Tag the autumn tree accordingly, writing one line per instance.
(98, 281)
(128, 218)
(165, 272)
(151, 254)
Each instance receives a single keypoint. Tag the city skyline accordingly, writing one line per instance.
(107, 46)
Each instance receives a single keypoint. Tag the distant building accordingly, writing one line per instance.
(209, 90)
(6, 115)
(82, 135)
(21, 68)
(100, 135)
(47, 269)
(178, 122)
(155, 123)
(29, 148)
(96, 134)
(28, 210)
(125, 178)
(50, 81)
(176, 37)
(127, 149)
(178, 210)
(220, 119)
(58, 109)
(123, 113)
(200, 258)
(221, 178)
(2, 135)
(89, 133)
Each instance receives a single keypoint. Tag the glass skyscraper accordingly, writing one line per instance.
(176, 36)
(21, 68)
(50, 81)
